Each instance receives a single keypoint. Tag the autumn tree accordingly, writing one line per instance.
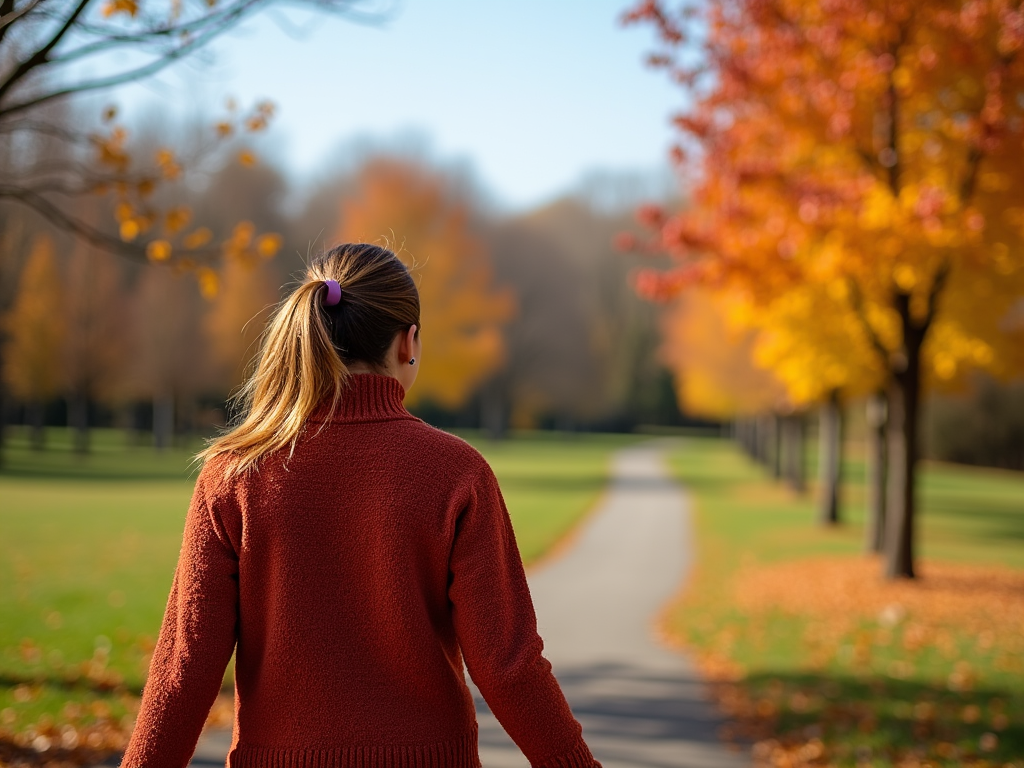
(170, 366)
(707, 345)
(96, 340)
(35, 329)
(429, 223)
(866, 145)
(243, 294)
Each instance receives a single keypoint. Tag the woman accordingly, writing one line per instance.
(352, 557)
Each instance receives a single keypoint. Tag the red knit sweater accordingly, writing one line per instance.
(351, 581)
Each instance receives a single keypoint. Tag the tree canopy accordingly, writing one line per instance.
(858, 157)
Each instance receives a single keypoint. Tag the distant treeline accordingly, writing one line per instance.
(529, 320)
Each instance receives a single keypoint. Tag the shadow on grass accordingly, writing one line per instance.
(880, 719)
(996, 520)
(142, 465)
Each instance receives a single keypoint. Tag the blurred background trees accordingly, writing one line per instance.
(529, 320)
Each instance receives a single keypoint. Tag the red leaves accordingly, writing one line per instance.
(696, 125)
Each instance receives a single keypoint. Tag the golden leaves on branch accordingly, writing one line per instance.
(260, 117)
(177, 219)
(209, 283)
(110, 149)
(169, 167)
(158, 250)
(114, 7)
(198, 238)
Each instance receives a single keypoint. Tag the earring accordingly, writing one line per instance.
(412, 361)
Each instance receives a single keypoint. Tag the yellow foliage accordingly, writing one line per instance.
(129, 229)
(169, 167)
(177, 219)
(243, 294)
(114, 7)
(198, 238)
(461, 309)
(35, 328)
(711, 357)
(268, 245)
(158, 250)
(209, 283)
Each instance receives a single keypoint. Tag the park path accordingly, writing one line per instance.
(641, 705)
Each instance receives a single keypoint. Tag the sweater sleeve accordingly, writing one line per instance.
(196, 641)
(497, 630)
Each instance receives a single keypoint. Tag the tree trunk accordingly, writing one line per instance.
(78, 420)
(904, 404)
(3, 409)
(492, 411)
(743, 432)
(775, 428)
(874, 471)
(793, 452)
(37, 425)
(764, 438)
(830, 442)
(163, 421)
(752, 437)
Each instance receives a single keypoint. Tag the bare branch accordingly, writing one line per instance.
(39, 127)
(9, 14)
(69, 223)
(220, 19)
(41, 55)
(86, 232)
(114, 80)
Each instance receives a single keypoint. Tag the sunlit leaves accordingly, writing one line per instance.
(209, 283)
(158, 250)
(177, 219)
(114, 7)
(851, 144)
(198, 238)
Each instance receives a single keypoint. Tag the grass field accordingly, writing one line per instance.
(873, 673)
(88, 546)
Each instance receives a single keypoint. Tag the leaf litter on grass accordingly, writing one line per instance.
(821, 662)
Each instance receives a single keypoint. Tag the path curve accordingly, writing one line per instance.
(641, 705)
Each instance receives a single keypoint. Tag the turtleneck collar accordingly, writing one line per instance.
(368, 397)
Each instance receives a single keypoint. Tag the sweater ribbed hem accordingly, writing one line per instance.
(458, 753)
(579, 757)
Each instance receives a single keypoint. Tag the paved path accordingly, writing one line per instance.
(641, 705)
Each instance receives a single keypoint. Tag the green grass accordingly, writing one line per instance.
(841, 692)
(88, 546)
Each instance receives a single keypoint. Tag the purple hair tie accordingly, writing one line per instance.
(333, 293)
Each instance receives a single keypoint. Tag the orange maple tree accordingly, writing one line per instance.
(429, 225)
(868, 147)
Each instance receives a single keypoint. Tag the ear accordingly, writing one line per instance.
(407, 345)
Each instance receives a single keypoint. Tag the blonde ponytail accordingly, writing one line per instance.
(300, 366)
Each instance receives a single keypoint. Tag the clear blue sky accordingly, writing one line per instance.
(533, 93)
